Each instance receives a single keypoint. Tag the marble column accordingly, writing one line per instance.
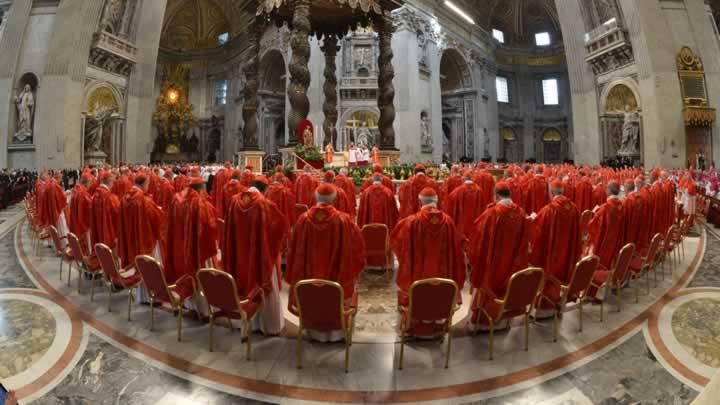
(250, 106)
(11, 42)
(299, 72)
(58, 112)
(386, 90)
(142, 84)
(582, 83)
(330, 49)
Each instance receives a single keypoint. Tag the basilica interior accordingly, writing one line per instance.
(584, 82)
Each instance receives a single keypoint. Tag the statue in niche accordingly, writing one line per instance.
(95, 128)
(308, 137)
(363, 135)
(422, 52)
(362, 56)
(630, 143)
(486, 144)
(25, 103)
(425, 134)
(112, 16)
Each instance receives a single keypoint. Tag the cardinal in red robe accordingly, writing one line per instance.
(80, 212)
(325, 244)
(255, 233)
(181, 180)
(409, 203)
(142, 224)
(247, 177)
(644, 233)
(165, 191)
(122, 183)
(386, 181)
(583, 196)
(282, 196)
(231, 188)
(342, 201)
(537, 195)
(55, 202)
(221, 178)
(378, 205)
(346, 184)
(465, 204)
(607, 228)
(599, 194)
(427, 245)
(635, 214)
(556, 243)
(498, 248)
(486, 182)
(105, 213)
(200, 230)
(305, 187)
(453, 181)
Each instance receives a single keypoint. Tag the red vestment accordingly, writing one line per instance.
(201, 242)
(180, 182)
(325, 244)
(636, 220)
(487, 184)
(342, 202)
(607, 231)
(174, 254)
(427, 245)
(583, 196)
(164, 194)
(348, 186)
(378, 206)
(54, 202)
(410, 191)
(599, 195)
(121, 186)
(556, 243)
(451, 183)
(247, 178)
(304, 191)
(386, 181)
(464, 206)
(222, 177)
(538, 194)
(142, 226)
(231, 188)
(254, 235)
(284, 198)
(104, 217)
(498, 246)
(645, 233)
(80, 211)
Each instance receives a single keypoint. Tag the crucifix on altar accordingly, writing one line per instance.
(328, 20)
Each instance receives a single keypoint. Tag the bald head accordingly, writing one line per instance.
(613, 189)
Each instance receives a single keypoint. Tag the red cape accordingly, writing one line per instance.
(141, 226)
(231, 188)
(121, 186)
(465, 205)
(378, 206)
(80, 211)
(104, 217)
(538, 194)
(304, 191)
(54, 202)
(607, 231)
(284, 198)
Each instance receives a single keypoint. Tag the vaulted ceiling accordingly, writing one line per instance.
(518, 19)
(196, 24)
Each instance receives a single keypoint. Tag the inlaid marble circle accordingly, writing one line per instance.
(696, 326)
(27, 330)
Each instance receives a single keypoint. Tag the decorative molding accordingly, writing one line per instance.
(112, 54)
(608, 48)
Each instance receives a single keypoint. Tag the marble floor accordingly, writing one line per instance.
(61, 348)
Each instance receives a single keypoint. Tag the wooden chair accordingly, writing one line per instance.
(431, 301)
(220, 290)
(320, 306)
(585, 219)
(616, 277)
(158, 289)
(377, 247)
(64, 253)
(86, 264)
(520, 299)
(642, 264)
(576, 290)
(128, 279)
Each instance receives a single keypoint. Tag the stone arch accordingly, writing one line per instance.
(272, 84)
(105, 94)
(273, 71)
(551, 140)
(618, 90)
(454, 71)
(347, 133)
(613, 98)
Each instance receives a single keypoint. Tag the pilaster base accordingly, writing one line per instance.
(95, 158)
(389, 158)
(252, 158)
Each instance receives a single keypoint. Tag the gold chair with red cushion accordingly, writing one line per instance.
(158, 289)
(616, 277)
(320, 306)
(377, 247)
(432, 303)
(575, 291)
(64, 253)
(87, 265)
(221, 292)
(643, 262)
(520, 298)
(670, 246)
(128, 278)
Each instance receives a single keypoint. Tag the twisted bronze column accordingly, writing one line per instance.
(386, 90)
(330, 48)
(299, 72)
(250, 138)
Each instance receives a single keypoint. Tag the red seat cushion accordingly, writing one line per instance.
(600, 277)
(636, 265)
(92, 263)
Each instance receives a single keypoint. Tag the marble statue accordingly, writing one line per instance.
(25, 103)
(630, 143)
(363, 135)
(94, 126)
(308, 138)
(425, 134)
(486, 143)
(112, 16)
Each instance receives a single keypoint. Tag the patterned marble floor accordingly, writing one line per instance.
(103, 373)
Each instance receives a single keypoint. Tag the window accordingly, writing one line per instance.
(220, 92)
(223, 38)
(499, 36)
(501, 85)
(542, 39)
(550, 92)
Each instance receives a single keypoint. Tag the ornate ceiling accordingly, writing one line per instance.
(518, 19)
(196, 24)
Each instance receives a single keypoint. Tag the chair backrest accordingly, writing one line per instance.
(622, 263)
(300, 209)
(153, 278)
(523, 289)
(320, 304)
(108, 261)
(219, 289)
(582, 277)
(671, 232)
(432, 299)
(75, 248)
(376, 238)
(56, 239)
